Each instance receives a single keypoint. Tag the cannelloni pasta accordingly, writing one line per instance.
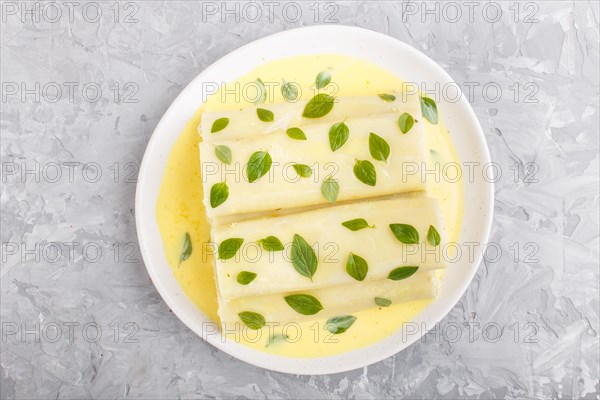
(242, 124)
(344, 299)
(333, 169)
(297, 171)
(332, 243)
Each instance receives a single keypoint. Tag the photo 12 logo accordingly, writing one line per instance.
(54, 12)
(69, 332)
(270, 11)
(72, 172)
(72, 92)
(471, 11)
(52, 252)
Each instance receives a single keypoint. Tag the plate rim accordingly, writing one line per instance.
(304, 366)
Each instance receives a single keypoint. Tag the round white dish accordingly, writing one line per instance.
(391, 54)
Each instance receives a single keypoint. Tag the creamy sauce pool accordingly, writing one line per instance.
(179, 207)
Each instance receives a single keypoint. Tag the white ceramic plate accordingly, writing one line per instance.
(389, 53)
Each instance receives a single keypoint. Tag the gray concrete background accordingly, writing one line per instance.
(83, 87)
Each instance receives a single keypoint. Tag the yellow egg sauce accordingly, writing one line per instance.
(180, 208)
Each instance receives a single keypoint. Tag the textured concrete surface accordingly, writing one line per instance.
(81, 95)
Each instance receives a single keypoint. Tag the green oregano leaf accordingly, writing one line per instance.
(364, 170)
(407, 234)
(429, 109)
(296, 133)
(318, 106)
(303, 257)
(262, 92)
(357, 224)
(433, 236)
(219, 192)
(304, 304)
(387, 97)
(223, 153)
(258, 165)
(338, 135)
(382, 302)
(303, 170)
(186, 249)
(271, 243)
(265, 115)
(276, 338)
(341, 324)
(405, 122)
(219, 125)
(436, 156)
(378, 147)
(252, 320)
(245, 277)
(323, 79)
(357, 267)
(330, 189)
(229, 248)
(289, 91)
(402, 273)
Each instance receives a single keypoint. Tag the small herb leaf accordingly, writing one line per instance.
(258, 165)
(330, 189)
(341, 324)
(186, 250)
(387, 97)
(261, 96)
(364, 170)
(318, 106)
(407, 234)
(271, 243)
(323, 79)
(219, 125)
(382, 302)
(289, 91)
(357, 267)
(245, 277)
(402, 273)
(276, 338)
(219, 192)
(378, 147)
(304, 304)
(252, 320)
(433, 236)
(303, 257)
(229, 248)
(429, 109)
(338, 135)
(265, 115)
(223, 153)
(405, 122)
(303, 170)
(357, 224)
(296, 133)
(436, 156)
